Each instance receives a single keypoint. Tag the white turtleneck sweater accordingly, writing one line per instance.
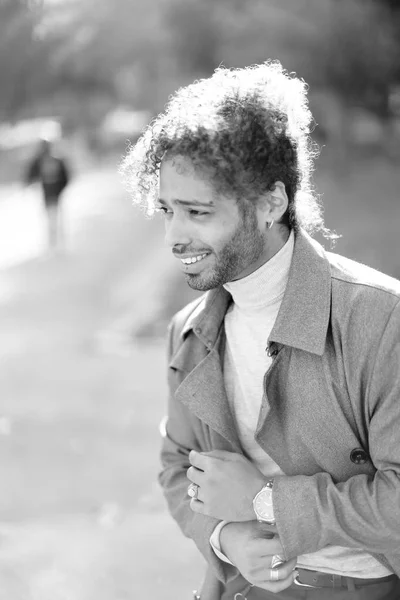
(248, 324)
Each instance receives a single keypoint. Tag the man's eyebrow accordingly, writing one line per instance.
(187, 202)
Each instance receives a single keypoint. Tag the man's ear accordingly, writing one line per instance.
(273, 204)
(278, 201)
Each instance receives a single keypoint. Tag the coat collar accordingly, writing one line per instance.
(303, 318)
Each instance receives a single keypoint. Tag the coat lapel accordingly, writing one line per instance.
(203, 391)
(303, 317)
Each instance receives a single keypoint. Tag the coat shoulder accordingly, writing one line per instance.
(363, 301)
(359, 277)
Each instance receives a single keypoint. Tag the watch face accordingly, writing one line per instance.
(263, 505)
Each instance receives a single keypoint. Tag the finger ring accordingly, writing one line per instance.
(193, 490)
(274, 575)
(276, 561)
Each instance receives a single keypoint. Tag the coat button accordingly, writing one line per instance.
(358, 456)
(272, 350)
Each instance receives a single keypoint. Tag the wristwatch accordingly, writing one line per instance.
(262, 504)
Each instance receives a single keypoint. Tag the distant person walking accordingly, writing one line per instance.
(51, 171)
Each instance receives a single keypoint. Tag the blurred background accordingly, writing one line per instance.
(82, 352)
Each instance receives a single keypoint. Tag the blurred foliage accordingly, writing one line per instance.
(19, 52)
(362, 53)
(78, 58)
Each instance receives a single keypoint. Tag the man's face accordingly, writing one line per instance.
(215, 241)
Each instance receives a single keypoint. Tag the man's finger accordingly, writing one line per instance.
(268, 547)
(195, 475)
(283, 571)
(203, 457)
(278, 586)
(220, 454)
(197, 506)
(267, 530)
(198, 460)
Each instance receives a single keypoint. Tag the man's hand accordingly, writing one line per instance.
(250, 547)
(227, 484)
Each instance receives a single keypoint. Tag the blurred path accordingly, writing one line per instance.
(81, 515)
(22, 231)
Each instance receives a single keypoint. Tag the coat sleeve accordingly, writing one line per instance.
(363, 512)
(179, 439)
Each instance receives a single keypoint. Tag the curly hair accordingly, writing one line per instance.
(247, 128)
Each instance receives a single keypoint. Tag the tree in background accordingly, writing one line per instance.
(19, 53)
(74, 54)
(195, 33)
(360, 58)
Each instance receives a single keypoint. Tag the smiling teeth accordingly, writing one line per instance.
(193, 259)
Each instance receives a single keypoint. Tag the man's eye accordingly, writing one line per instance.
(197, 213)
(163, 209)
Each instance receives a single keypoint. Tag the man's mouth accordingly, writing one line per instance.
(193, 259)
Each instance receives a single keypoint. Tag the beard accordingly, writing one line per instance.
(244, 248)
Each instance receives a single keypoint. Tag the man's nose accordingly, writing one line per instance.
(177, 232)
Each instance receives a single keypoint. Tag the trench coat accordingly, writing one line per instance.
(329, 417)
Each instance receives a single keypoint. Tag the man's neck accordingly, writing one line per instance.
(266, 284)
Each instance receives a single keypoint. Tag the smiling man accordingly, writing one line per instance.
(281, 458)
(216, 240)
